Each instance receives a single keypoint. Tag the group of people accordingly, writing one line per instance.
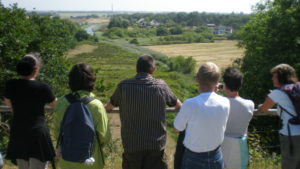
(212, 128)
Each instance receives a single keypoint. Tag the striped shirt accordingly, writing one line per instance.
(142, 101)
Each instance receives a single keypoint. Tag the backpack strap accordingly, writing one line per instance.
(291, 147)
(283, 109)
(86, 100)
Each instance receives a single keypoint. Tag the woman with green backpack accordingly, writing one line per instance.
(77, 117)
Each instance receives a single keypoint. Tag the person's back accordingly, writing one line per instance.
(206, 116)
(142, 101)
(234, 146)
(143, 112)
(241, 112)
(204, 119)
(81, 82)
(27, 97)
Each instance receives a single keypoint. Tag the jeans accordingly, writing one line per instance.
(206, 160)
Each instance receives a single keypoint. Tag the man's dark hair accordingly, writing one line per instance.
(233, 78)
(145, 64)
(81, 77)
(27, 64)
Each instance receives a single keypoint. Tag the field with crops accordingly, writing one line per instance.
(220, 52)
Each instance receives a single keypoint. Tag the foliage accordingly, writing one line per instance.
(162, 31)
(271, 37)
(118, 22)
(176, 30)
(20, 34)
(236, 20)
(182, 64)
(82, 35)
(134, 41)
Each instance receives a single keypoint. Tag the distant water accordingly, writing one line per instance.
(90, 29)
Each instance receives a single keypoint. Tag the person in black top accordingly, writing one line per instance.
(29, 144)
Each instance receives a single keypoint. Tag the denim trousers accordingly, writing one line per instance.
(206, 160)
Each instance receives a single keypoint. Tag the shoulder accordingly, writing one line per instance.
(276, 94)
(191, 102)
(96, 105)
(222, 99)
(40, 85)
(246, 102)
(126, 81)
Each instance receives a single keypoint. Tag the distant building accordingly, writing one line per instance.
(141, 22)
(210, 25)
(154, 23)
(221, 30)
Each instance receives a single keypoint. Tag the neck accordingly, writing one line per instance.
(231, 94)
(30, 77)
(204, 89)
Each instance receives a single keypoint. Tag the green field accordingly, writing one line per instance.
(223, 53)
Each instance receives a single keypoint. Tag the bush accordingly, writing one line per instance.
(182, 64)
(162, 31)
(134, 41)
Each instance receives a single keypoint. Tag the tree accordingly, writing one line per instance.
(162, 31)
(271, 37)
(82, 35)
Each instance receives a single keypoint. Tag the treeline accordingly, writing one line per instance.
(21, 33)
(235, 20)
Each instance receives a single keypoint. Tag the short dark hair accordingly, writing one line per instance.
(145, 63)
(81, 77)
(27, 64)
(286, 74)
(233, 78)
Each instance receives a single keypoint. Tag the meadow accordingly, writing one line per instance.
(223, 53)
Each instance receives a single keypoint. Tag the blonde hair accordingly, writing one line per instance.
(208, 74)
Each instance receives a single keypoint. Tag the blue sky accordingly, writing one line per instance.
(221, 6)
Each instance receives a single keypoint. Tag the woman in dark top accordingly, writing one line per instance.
(29, 144)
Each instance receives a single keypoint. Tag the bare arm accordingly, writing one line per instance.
(178, 104)
(269, 103)
(109, 107)
(52, 104)
(7, 102)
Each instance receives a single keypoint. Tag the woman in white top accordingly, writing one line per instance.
(234, 146)
(284, 74)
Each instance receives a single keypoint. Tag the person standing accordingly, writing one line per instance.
(234, 146)
(284, 75)
(204, 119)
(82, 82)
(29, 144)
(142, 101)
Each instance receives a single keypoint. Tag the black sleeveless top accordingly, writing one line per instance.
(29, 133)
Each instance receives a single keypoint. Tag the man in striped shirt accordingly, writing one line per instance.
(142, 101)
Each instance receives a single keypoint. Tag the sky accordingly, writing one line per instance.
(220, 6)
